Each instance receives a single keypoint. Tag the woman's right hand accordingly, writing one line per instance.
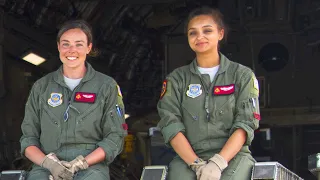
(198, 166)
(57, 170)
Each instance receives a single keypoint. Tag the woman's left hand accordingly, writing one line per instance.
(214, 168)
(79, 163)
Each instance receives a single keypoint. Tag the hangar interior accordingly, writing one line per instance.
(140, 41)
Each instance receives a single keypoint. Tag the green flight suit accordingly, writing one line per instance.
(207, 113)
(71, 123)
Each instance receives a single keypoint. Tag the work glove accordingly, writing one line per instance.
(57, 170)
(197, 165)
(214, 168)
(79, 163)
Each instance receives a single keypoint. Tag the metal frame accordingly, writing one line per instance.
(163, 168)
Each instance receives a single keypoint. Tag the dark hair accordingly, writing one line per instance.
(78, 24)
(214, 13)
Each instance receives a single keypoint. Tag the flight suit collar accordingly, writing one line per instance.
(224, 64)
(58, 75)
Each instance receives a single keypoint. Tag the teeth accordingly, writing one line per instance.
(71, 58)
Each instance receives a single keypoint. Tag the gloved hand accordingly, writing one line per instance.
(57, 170)
(197, 166)
(214, 168)
(79, 163)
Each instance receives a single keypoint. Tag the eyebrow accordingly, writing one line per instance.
(76, 41)
(202, 27)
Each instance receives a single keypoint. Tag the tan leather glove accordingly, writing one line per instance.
(57, 170)
(197, 166)
(214, 168)
(79, 163)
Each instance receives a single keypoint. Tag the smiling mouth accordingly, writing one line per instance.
(71, 58)
(202, 43)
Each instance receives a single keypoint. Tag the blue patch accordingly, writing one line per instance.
(55, 99)
(194, 90)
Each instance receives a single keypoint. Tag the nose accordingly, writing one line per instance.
(72, 48)
(200, 35)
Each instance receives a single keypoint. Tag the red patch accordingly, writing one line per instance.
(163, 89)
(257, 116)
(223, 90)
(85, 97)
(125, 126)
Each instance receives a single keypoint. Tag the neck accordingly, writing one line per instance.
(207, 60)
(74, 73)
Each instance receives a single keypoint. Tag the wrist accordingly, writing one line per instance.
(83, 161)
(219, 161)
(197, 163)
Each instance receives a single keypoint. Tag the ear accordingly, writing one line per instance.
(89, 48)
(221, 34)
(58, 46)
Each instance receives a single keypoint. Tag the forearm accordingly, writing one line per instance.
(96, 156)
(183, 148)
(34, 154)
(234, 144)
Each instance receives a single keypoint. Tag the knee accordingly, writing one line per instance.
(240, 168)
(92, 173)
(36, 174)
(179, 170)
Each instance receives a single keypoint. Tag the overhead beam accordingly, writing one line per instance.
(131, 2)
(2, 89)
(21, 37)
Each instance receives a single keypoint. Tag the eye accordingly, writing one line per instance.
(79, 45)
(65, 44)
(191, 33)
(207, 31)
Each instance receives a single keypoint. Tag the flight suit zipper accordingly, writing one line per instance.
(206, 104)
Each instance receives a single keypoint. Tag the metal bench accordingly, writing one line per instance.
(314, 164)
(272, 171)
(261, 170)
(13, 175)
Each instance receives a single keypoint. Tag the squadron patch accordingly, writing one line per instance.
(119, 91)
(55, 99)
(255, 89)
(163, 89)
(194, 90)
(223, 90)
(255, 83)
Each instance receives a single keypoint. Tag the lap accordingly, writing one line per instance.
(179, 170)
(239, 168)
(96, 172)
(38, 173)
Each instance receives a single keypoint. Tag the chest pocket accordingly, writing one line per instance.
(225, 107)
(191, 109)
(89, 121)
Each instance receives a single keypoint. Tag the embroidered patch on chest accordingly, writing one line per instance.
(194, 90)
(85, 97)
(223, 90)
(55, 99)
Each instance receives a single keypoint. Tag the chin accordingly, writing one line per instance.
(71, 65)
(201, 50)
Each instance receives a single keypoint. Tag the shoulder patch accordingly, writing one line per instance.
(255, 89)
(164, 88)
(119, 91)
